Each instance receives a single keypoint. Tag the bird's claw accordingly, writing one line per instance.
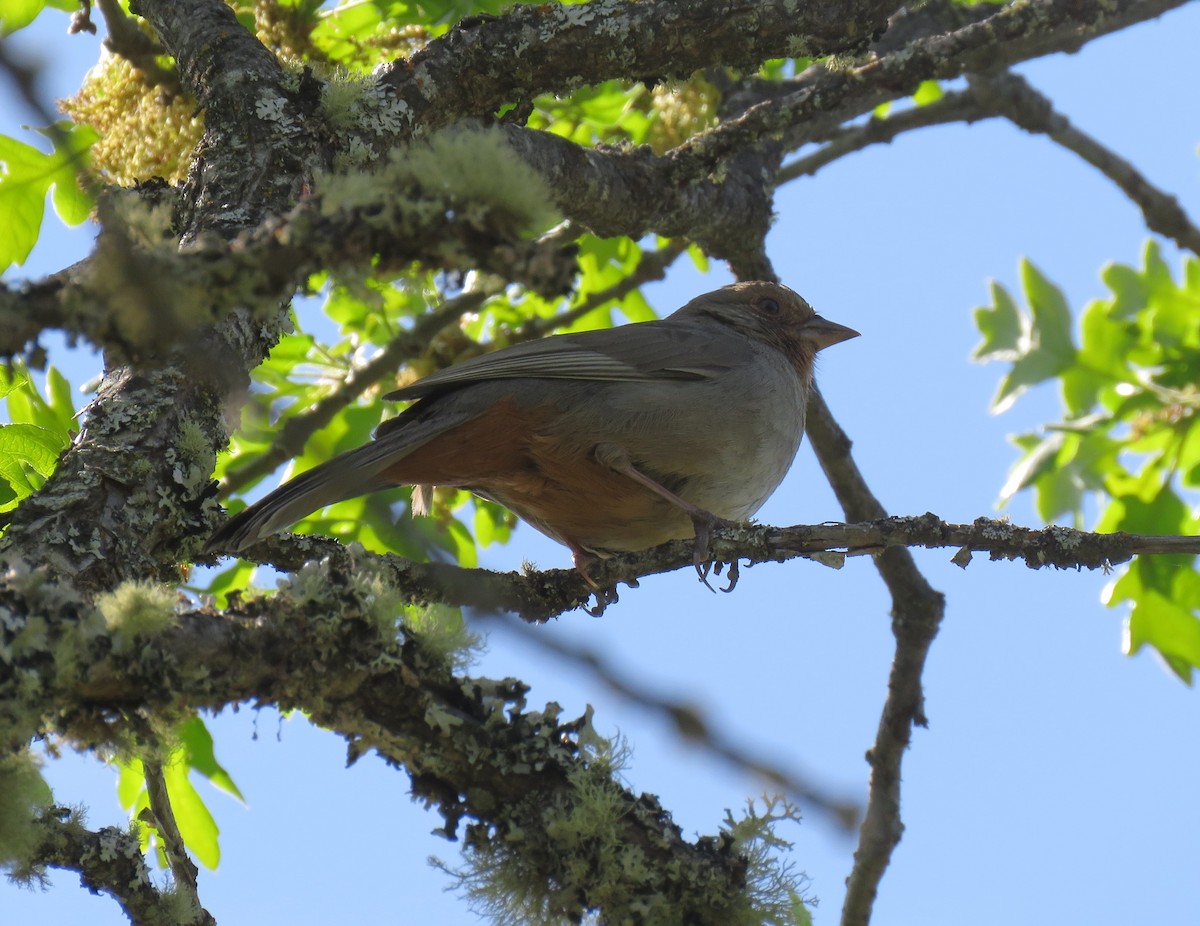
(703, 524)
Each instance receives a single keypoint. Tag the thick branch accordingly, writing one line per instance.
(824, 96)
(485, 62)
(470, 744)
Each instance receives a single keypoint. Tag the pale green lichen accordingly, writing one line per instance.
(774, 889)
(23, 792)
(365, 115)
(192, 458)
(441, 632)
(477, 166)
(136, 610)
(583, 829)
(471, 173)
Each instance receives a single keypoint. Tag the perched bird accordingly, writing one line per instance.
(606, 441)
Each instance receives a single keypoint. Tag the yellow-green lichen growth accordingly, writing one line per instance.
(365, 114)
(136, 610)
(23, 792)
(440, 631)
(774, 889)
(476, 168)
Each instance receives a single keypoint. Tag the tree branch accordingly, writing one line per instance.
(1011, 96)
(469, 744)
(844, 140)
(484, 63)
(825, 96)
(917, 611)
(537, 596)
(182, 867)
(109, 861)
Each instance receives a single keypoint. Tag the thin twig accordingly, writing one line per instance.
(1012, 96)
(953, 107)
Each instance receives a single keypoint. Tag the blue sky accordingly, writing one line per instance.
(1056, 783)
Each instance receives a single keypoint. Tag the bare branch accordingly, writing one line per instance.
(182, 867)
(1011, 96)
(917, 611)
(538, 596)
(844, 140)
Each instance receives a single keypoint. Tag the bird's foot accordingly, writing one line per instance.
(605, 596)
(703, 523)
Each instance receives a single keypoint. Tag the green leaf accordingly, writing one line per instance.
(60, 400)
(198, 743)
(26, 175)
(27, 406)
(23, 186)
(236, 578)
(929, 91)
(131, 782)
(1040, 456)
(17, 14)
(636, 309)
(343, 32)
(1001, 327)
(1039, 345)
(28, 455)
(1173, 630)
(196, 824)
(1051, 315)
(37, 448)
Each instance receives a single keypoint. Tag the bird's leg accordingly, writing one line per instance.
(616, 458)
(584, 560)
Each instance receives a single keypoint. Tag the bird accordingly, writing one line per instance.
(607, 441)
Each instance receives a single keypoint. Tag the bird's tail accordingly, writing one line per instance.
(333, 481)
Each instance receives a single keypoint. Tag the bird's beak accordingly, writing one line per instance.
(824, 333)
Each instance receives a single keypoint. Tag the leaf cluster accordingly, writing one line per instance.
(1130, 428)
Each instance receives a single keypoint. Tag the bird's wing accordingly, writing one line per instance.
(631, 353)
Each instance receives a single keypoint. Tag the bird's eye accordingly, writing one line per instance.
(768, 306)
